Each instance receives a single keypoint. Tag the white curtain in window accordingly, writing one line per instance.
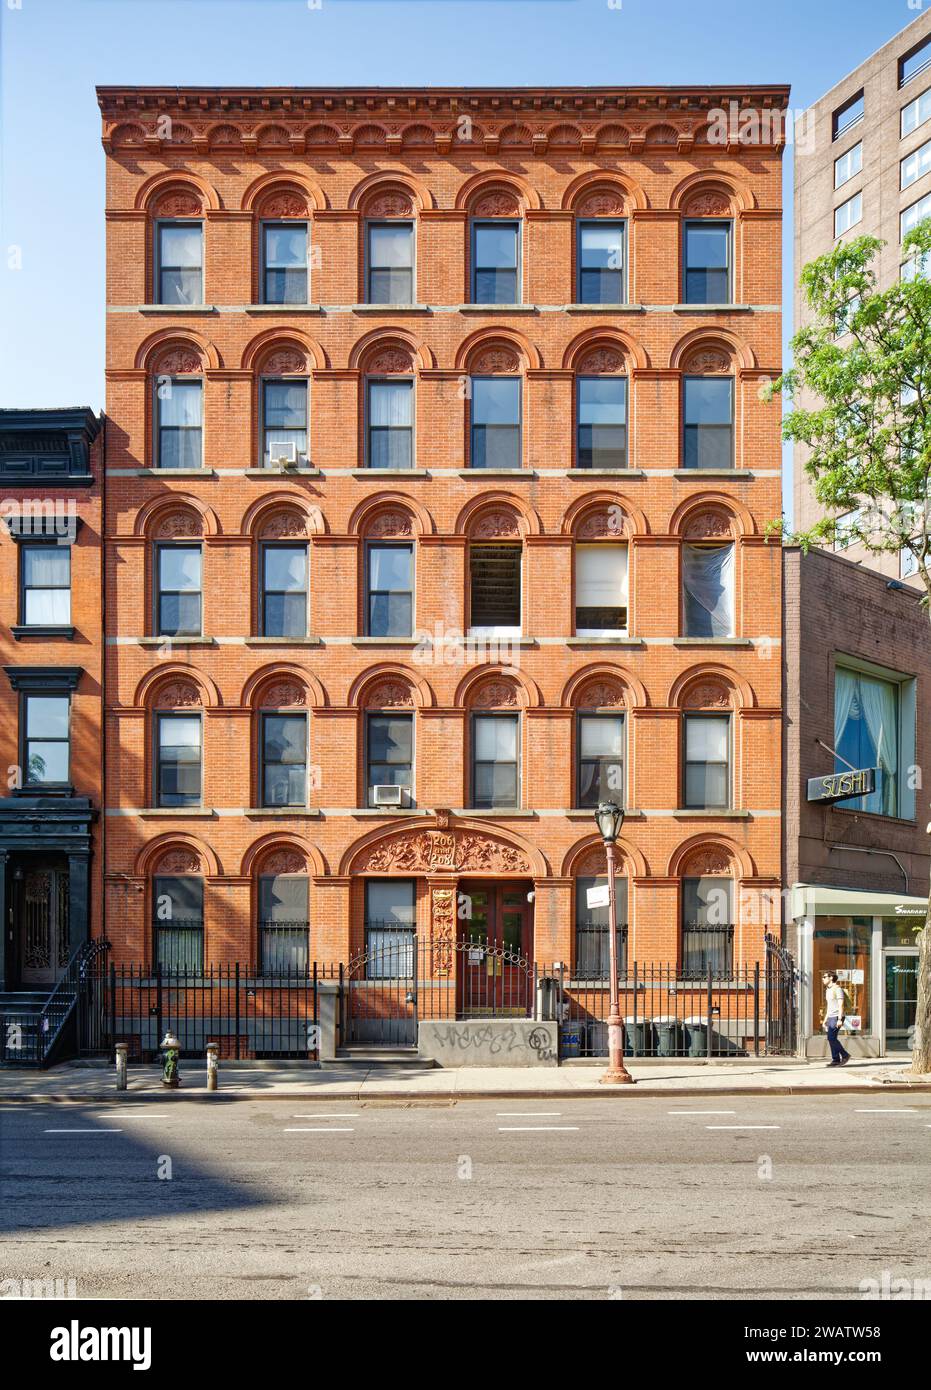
(878, 709)
(390, 403)
(708, 581)
(845, 691)
(601, 576)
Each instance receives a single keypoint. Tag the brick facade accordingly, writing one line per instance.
(335, 159)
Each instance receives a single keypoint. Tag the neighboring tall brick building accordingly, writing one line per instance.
(864, 169)
(430, 364)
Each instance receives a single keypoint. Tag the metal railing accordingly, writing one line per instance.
(707, 948)
(592, 952)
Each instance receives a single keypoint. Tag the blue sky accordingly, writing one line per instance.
(54, 52)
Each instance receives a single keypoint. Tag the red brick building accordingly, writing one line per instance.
(438, 475)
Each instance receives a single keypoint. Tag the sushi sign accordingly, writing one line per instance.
(840, 785)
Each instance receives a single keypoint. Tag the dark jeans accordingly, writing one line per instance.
(838, 1051)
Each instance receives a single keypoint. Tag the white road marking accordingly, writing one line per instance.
(323, 1129)
(349, 1115)
(140, 1117)
(528, 1114)
(890, 1110)
(743, 1126)
(535, 1129)
(701, 1112)
(83, 1131)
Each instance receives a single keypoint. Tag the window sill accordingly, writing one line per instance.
(606, 473)
(171, 472)
(388, 811)
(172, 642)
(283, 641)
(712, 308)
(178, 309)
(715, 813)
(477, 639)
(605, 309)
(65, 631)
(283, 472)
(741, 473)
(184, 812)
(272, 811)
(366, 473)
(588, 813)
(385, 641)
(498, 309)
(496, 473)
(36, 789)
(284, 308)
(605, 642)
(496, 812)
(712, 642)
(391, 308)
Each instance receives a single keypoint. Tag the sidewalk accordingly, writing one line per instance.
(400, 1082)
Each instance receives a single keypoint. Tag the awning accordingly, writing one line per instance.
(818, 900)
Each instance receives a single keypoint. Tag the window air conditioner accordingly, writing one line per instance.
(385, 795)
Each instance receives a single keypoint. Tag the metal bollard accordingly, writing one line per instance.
(122, 1055)
(171, 1075)
(213, 1065)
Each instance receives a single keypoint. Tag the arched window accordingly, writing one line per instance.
(708, 575)
(283, 409)
(707, 914)
(707, 746)
(389, 744)
(284, 248)
(178, 408)
(178, 911)
(389, 408)
(708, 410)
(283, 737)
(495, 576)
(495, 733)
(178, 247)
(708, 248)
(495, 409)
(601, 410)
(601, 247)
(178, 745)
(283, 914)
(389, 259)
(592, 941)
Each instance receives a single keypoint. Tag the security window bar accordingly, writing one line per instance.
(495, 761)
(600, 759)
(284, 262)
(847, 116)
(707, 928)
(178, 590)
(284, 420)
(178, 760)
(284, 590)
(284, 760)
(602, 263)
(390, 414)
(849, 164)
(592, 938)
(602, 422)
(389, 752)
(707, 762)
(179, 428)
(178, 924)
(390, 263)
(915, 61)
(496, 422)
(601, 590)
(45, 576)
(495, 598)
(284, 927)
(390, 590)
(708, 413)
(495, 262)
(390, 929)
(179, 259)
(707, 262)
(47, 740)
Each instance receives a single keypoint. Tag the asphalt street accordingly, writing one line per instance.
(725, 1198)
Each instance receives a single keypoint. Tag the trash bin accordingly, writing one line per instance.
(698, 1039)
(670, 1038)
(638, 1039)
(570, 1040)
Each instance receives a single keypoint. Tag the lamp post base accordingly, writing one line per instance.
(617, 1077)
(616, 1074)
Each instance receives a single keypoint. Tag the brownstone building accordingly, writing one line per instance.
(51, 708)
(438, 479)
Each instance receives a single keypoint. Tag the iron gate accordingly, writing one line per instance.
(781, 1000)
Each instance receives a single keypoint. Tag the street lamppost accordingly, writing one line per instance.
(609, 818)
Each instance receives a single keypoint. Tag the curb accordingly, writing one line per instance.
(432, 1098)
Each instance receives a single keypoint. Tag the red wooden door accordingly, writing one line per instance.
(494, 971)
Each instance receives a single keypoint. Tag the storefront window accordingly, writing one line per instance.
(843, 944)
(903, 931)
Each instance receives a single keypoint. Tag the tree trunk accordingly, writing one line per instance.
(921, 1052)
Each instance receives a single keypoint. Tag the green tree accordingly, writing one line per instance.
(860, 402)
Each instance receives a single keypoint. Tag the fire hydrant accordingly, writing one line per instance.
(171, 1047)
(213, 1057)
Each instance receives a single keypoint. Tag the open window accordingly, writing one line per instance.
(601, 590)
(495, 584)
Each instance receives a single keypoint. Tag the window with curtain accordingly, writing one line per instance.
(284, 590)
(707, 926)
(866, 734)
(46, 585)
(178, 920)
(284, 760)
(708, 422)
(390, 424)
(601, 759)
(602, 422)
(600, 590)
(179, 256)
(284, 420)
(601, 263)
(708, 590)
(283, 923)
(707, 761)
(390, 590)
(179, 429)
(284, 262)
(495, 262)
(495, 760)
(390, 263)
(496, 415)
(389, 752)
(592, 944)
(390, 926)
